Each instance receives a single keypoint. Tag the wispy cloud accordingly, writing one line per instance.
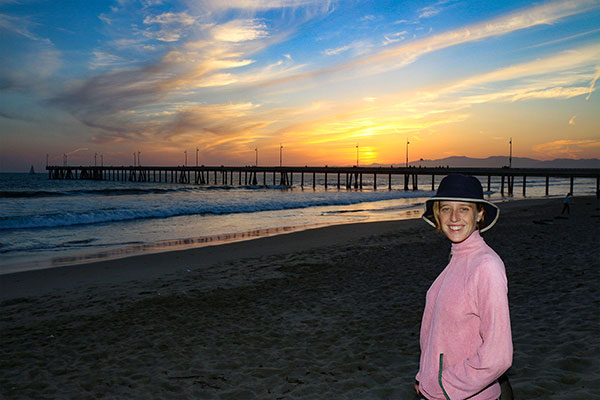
(170, 26)
(593, 83)
(395, 37)
(105, 60)
(567, 148)
(394, 57)
(265, 4)
(240, 31)
(76, 151)
(21, 26)
(563, 39)
(336, 51)
(563, 75)
(175, 97)
(435, 9)
(169, 18)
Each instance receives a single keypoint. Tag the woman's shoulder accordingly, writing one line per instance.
(487, 259)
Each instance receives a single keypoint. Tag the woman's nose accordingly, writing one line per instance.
(454, 215)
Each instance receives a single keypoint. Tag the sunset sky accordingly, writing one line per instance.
(234, 78)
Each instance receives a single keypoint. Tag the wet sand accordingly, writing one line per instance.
(329, 313)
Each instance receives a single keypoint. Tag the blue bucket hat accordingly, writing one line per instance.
(464, 188)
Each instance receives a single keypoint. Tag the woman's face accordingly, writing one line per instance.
(458, 219)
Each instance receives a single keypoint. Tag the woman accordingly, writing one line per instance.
(466, 342)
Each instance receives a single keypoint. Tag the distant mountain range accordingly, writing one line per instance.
(501, 161)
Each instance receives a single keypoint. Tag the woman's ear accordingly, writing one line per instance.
(480, 215)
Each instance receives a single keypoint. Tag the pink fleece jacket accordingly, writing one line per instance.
(466, 319)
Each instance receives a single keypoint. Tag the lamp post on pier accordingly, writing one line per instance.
(510, 155)
(256, 153)
(357, 154)
(185, 154)
(407, 143)
(197, 156)
(280, 155)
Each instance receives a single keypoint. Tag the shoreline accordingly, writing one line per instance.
(87, 257)
(332, 312)
(188, 240)
(153, 264)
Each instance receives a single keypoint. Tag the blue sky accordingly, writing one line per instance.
(235, 77)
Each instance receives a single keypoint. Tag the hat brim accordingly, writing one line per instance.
(492, 212)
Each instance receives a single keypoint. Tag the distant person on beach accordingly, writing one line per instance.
(466, 341)
(567, 203)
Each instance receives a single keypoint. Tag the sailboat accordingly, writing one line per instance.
(31, 171)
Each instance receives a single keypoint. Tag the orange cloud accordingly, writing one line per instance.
(568, 148)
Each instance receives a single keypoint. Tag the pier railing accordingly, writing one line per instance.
(348, 177)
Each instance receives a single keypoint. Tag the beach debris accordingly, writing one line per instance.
(201, 380)
(185, 377)
(295, 381)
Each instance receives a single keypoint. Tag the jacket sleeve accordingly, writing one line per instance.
(488, 286)
(424, 332)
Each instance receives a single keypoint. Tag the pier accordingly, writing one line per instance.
(340, 177)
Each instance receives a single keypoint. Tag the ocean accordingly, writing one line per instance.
(49, 223)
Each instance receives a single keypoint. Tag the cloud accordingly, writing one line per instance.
(105, 60)
(264, 4)
(593, 83)
(152, 3)
(395, 57)
(105, 18)
(123, 101)
(562, 39)
(394, 37)
(559, 76)
(164, 35)
(336, 51)
(576, 60)
(22, 27)
(240, 31)
(435, 9)
(357, 47)
(182, 18)
(171, 98)
(216, 119)
(568, 148)
(171, 25)
(76, 151)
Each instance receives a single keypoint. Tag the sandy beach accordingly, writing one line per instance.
(328, 313)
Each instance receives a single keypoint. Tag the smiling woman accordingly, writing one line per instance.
(466, 340)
